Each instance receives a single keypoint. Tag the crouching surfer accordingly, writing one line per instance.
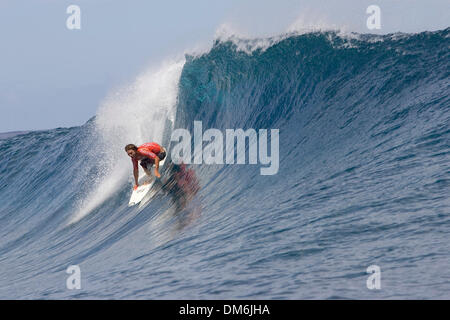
(148, 154)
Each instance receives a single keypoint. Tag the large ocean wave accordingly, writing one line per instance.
(363, 179)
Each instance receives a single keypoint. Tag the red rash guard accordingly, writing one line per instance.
(147, 150)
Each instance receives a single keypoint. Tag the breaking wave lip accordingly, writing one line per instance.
(244, 42)
(301, 26)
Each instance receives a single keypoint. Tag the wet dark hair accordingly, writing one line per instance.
(130, 147)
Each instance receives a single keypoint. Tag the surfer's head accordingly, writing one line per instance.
(131, 150)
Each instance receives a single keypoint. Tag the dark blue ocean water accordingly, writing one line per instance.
(364, 180)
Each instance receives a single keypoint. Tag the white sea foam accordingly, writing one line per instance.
(135, 114)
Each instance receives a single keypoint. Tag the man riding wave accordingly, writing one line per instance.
(148, 154)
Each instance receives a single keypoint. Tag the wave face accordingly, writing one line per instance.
(363, 180)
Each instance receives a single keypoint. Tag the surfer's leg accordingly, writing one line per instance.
(148, 172)
(146, 165)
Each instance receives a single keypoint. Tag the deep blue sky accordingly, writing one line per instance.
(54, 77)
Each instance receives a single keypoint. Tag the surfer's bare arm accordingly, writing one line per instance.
(157, 167)
(135, 173)
(136, 177)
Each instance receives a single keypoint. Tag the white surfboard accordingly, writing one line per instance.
(145, 185)
(139, 193)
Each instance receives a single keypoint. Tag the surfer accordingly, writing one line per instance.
(148, 154)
